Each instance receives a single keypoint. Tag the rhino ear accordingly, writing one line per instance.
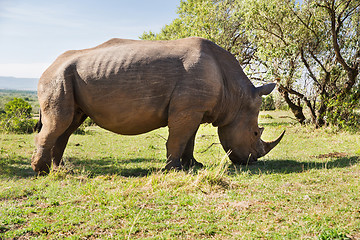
(265, 89)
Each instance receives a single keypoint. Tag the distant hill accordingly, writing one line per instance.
(29, 84)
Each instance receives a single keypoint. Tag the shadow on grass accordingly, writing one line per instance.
(19, 167)
(139, 167)
(16, 167)
(293, 166)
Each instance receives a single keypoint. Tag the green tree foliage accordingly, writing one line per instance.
(319, 38)
(342, 112)
(217, 20)
(17, 117)
(311, 48)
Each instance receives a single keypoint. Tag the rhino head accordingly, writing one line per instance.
(242, 137)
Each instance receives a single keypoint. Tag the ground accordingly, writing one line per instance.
(112, 187)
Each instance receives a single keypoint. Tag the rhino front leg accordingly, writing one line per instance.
(187, 159)
(182, 129)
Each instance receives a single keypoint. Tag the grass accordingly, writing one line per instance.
(113, 188)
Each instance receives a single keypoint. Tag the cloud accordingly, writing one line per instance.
(23, 70)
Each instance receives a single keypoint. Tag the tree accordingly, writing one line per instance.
(217, 20)
(341, 95)
(312, 38)
(311, 49)
(272, 28)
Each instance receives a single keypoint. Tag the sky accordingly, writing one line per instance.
(34, 32)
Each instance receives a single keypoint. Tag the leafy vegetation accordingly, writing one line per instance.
(311, 48)
(29, 96)
(268, 103)
(112, 186)
(17, 117)
(319, 38)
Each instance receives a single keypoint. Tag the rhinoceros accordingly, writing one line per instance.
(133, 86)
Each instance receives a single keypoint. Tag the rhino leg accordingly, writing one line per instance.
(59, 147)
(187, 159)
(45, 141)
(182, 128)
(57, 114)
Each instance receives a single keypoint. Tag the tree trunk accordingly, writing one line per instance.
(297, 110)
(320, 115)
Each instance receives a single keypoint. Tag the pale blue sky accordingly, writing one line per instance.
(34, 32)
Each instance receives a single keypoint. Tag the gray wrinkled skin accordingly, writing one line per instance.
(132, 87)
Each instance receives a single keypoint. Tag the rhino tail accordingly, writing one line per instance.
(39, 124)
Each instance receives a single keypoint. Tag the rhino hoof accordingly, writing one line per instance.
(191, 163)
(173, 166)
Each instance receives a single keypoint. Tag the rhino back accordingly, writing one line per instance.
(127, 86)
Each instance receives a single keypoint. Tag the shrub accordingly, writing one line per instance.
(89, 122)
(18, 107)
(268, 103)
(82, 129)
(17, 117)
(342, 112)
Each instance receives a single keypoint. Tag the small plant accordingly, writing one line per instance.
(17, 117)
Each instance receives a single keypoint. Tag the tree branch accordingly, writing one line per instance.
(306, 25)
(342, 12)
(312, 75)
(336, 46)
(272, 33)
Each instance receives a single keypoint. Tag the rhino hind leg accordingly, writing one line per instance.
(182, 128)
(41, 160)
(187, 159)
(61, 142)
(57, 114)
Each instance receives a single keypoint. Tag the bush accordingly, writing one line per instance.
(17, 117)
(342, 112)
(82, 129)
(89, 122)
(268, 103)
(18, 107)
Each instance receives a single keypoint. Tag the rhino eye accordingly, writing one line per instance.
(256, 133)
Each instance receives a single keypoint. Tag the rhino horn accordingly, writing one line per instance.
(268, 146)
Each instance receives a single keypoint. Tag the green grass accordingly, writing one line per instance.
(113, 188)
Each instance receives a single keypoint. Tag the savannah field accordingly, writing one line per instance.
(112, 187)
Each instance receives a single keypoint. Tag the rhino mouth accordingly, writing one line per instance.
(245, 160)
